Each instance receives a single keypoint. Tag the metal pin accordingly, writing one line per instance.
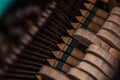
(40, 44)
(41, 35)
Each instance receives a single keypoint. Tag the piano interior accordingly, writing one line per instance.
(60, 40)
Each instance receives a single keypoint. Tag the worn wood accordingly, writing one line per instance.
(109, 38)
(59, 65)
(67, 40)
(84, 12)
(114, 18)
(86, 37)
(90, 26)
(71, 51)
(92, 70)
(98, 50)
(112, 27)
(115, 53)
(116, 10)
(75, 25)
(92, 17)
(79, 74)
(101, 64)
(93, 27)
(81, 19)
(66, 58)
(98, 20)
(99, 12)
(52, 73)
(70, 31)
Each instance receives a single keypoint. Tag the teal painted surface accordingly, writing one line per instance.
(95, 9)
(64, 57)
(73, 43)
(60, 65)
(86, 24)
(91, 16)
(3, 6)
(70, 49)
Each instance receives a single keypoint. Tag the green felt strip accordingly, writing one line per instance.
(64, 57)
(60, 65)
(70, 49)
(91, 16)
(73, 43)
